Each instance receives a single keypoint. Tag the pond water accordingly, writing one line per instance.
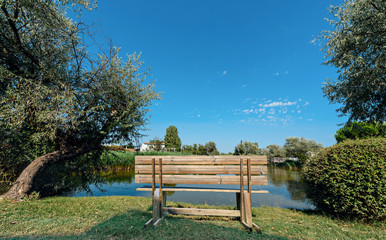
(286, 190)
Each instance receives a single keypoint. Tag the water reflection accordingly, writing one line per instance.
(291, 179)
(286, 190)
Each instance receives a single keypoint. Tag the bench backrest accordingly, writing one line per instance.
(201, 169)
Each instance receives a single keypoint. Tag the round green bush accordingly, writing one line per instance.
(349, 179)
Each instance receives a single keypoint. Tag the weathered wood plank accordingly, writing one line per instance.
(144, 189)
(206, 212)
(148, 223)
(202, 160)
(247, 209)
(199, 169)
(249, 228)
(157, 222)
(201, 179)
(160, 188)
(156, 205)
(257, 228)
(242, 213)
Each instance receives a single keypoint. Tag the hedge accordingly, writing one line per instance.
(349, 179)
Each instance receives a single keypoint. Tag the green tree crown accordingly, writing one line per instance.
(172, 140)
(360, 130)
(356, 47)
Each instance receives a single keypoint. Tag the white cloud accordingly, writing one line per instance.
(276, 112)
(244, 85)
(277, 74)
(224, 72)
(279, 104)
(198, 115)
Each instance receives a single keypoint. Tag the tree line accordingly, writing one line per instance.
(295, 147)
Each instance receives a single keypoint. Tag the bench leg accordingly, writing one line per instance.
(246, 215)
(157, 209)
(238, 201)
(247, 208)
(164, 199)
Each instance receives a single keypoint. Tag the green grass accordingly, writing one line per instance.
(289, 164)
(118, 159)
(155, 153)
(124, 217)
(123, 159)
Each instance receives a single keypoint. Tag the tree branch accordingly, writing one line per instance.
(12, 24)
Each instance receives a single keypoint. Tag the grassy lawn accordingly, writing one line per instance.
(124, 217)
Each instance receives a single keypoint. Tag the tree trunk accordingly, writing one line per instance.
(23, 184)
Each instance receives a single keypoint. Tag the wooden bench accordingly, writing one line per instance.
(243, 171)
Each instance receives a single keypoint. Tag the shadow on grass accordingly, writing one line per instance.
(130, 225)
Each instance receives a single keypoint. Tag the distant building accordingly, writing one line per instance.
(149, 146)
(283, 159)
(278, 159)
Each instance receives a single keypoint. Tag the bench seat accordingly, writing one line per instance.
(220, 190)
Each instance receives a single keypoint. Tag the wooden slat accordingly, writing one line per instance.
(199, 169)
(153, 178)
(257, 228)
(201, 179)
(144, 189)
(242, 214)
(249, 228)
(148, 223)
(202, 160)
(247, 209)
(206, 212)
(156, 206)
(160, 188)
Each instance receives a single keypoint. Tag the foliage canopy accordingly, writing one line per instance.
(360, 130)
(55, 92)
(301, 148)
(172, 140)
(357, 46)
(349, 179)
(247, 148)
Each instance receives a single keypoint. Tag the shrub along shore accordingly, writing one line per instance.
(124, 159)
(124, 217)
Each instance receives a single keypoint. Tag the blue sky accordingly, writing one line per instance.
(229, 70)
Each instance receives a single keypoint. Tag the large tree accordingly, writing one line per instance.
(172, 140)
(247, 148)
(211, 148)
(360, 130)
(357, 48)
(55, 92)
(275, 150)
(301, 148)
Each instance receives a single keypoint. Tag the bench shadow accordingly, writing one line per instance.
(130, 225)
